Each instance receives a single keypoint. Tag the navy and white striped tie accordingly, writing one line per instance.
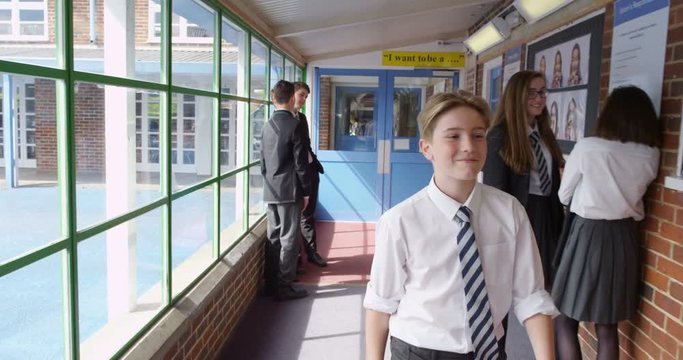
(542, 168)
(478, 308)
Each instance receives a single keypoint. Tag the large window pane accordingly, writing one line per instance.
(192, 234)
(191, 139)
(258, 118)
(258, 70)
(256, 206)
(232, 205)
(119, 284)
(117, 150)
(31, 25)
(32, 311)
(103, 50)
(276, 68)
(289, 71)
(232, 134)
(192, 46)
(30, 185)
(234, 59)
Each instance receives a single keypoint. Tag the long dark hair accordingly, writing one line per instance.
(629, 116)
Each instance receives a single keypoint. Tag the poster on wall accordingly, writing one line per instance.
(511, 64)
(566, 64)
(639, 46)
(570, 61)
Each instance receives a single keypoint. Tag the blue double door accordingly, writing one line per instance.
(366, 135)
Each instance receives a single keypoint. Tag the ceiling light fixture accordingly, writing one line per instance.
(488, 35)
(533, 10)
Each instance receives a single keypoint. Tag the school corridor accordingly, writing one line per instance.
(132, 214)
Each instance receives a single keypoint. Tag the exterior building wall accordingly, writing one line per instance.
(656, 332)
(46, 125)
(89, 128)
(325, 113)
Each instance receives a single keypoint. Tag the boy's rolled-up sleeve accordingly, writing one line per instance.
(529, 296)
(386, 286)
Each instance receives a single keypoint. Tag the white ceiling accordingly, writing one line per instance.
(322, 29)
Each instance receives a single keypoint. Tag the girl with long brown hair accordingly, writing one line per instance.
(524, 159)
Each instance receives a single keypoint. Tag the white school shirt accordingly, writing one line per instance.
(416, 275)
(606, 179)
(534, 177)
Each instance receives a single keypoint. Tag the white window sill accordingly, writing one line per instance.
(674, 183)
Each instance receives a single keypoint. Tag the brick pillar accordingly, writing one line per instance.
(325, 117)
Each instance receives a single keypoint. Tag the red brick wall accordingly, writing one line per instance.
(141, 21)
(46, 125)
(81, 11)
(471, 75)
(81, 32)
(89, 128)
(325, 115)
(205, 333)
(81, 20)
(656, 332)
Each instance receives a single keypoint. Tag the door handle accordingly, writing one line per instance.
(383, 156)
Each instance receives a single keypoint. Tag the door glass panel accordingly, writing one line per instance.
(409, 96)
(495, 87)
(348, 113)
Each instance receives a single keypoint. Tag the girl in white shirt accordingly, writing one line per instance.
(605, 179)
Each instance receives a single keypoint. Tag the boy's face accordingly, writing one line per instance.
(457, 148)
(300, 97)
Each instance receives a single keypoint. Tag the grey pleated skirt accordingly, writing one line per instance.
(598, 274)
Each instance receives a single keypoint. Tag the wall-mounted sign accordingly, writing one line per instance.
(639, 46)
(423, 59)
(512, 63)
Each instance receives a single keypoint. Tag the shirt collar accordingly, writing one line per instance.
(530, 129)
(449, 206)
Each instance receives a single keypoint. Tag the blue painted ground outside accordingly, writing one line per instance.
(32, 299)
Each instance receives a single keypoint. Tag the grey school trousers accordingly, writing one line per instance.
(283, 230)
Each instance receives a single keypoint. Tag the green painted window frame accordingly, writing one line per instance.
(65, 77)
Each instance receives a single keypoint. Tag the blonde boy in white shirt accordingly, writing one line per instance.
(416, 292)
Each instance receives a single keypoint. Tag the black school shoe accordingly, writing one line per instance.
(288, 292)
(316, 259)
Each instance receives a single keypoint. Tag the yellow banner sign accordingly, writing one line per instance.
(423, 59)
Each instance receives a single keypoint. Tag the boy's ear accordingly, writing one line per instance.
(426, 149)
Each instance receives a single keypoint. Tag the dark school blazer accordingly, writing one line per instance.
(315, 165)
(501, 176)
(284, 159)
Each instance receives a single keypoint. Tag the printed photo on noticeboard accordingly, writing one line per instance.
(554, 104)
(566, 64)
(572, 126)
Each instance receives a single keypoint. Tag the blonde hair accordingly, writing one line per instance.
(441, 103)
(512, 115)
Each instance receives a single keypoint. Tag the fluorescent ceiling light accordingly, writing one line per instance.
(488, 35)
(533, 10)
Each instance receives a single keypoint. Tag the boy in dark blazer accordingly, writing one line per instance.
(284, 165)
(301, 92)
